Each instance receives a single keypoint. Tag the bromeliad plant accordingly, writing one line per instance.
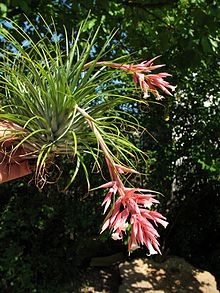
(65, 104)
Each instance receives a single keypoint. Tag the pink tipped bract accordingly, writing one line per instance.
(147, 82)
(131, 209)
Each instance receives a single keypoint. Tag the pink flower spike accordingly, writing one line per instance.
(131, 206)
(146, 81)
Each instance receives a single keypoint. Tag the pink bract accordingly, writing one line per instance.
(147, 82)
(131, 208)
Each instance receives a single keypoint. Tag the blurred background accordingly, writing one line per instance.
(47, 237)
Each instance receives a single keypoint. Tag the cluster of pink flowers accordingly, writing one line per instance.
(131, 208)
(148, 82)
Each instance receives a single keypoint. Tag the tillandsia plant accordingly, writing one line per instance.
(60, 102)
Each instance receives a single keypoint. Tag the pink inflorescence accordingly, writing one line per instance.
(148, 82)
(131, 208)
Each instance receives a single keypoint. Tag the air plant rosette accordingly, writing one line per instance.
(57, 101)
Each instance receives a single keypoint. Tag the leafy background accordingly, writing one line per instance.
(47, 237)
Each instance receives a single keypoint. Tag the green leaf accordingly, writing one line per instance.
(3, 10)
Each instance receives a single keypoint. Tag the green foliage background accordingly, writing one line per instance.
(40, 229)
